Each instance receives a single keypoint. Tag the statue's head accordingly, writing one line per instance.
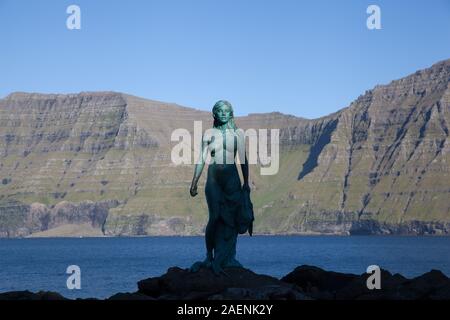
(223, 114)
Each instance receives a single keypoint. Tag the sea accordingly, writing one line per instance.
(111, 265)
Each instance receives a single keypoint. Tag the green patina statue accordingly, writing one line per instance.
(229, 205)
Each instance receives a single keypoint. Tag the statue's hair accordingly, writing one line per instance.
(217, 106)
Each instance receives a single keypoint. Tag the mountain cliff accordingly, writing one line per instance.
(99, 164)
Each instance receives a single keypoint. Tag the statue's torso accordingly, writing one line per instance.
(225, 147)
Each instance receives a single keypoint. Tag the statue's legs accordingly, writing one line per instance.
(225, 250)
(223, 196)
(214, 200)
(213, 195)
(232, 193)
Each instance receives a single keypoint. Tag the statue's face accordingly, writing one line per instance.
(223, 114)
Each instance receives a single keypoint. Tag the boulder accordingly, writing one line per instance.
(238, 283)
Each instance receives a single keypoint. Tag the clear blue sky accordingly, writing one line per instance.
(307, 58)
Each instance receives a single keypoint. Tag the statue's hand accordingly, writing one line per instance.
(193, 190)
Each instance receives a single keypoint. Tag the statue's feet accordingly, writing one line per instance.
(233, 263)
(202, 264)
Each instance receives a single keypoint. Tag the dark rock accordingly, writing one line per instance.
(150, 287)
(130, 296)
(263, 293)
(237, 283)
(442, 293)
(27, 295)
(357, 289)
(311, 278)
(433, 284)
(304, 283)
(328, 285)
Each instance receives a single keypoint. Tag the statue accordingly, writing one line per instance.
(229, 205)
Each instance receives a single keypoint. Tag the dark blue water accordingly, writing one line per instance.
(111, 265)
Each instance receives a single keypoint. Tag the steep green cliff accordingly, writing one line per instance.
(102, 160)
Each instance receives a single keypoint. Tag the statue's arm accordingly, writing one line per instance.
(199, 166)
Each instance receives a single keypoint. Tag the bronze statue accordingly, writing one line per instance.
(229, 205)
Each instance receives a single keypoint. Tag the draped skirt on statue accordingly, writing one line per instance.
(227, 211)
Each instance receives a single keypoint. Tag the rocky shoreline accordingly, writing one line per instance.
(90, 219)
(303, 283)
